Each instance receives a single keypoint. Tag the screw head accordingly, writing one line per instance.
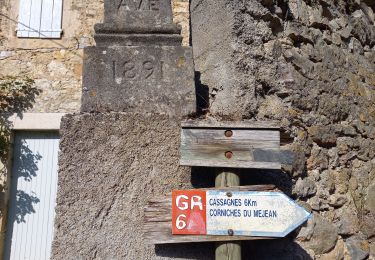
(229, 194)
(230, 232)
(228, 133)
(229, 155)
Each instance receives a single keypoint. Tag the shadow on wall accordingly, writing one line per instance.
(277, 249)
(25, 167)
(196, 251)
(22, 203)
(202, 95)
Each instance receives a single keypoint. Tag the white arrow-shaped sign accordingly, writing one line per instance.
(238, 213)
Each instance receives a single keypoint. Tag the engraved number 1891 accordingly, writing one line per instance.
(137, 70)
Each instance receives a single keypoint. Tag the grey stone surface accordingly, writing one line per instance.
(322, 237)
(372, 250)
(337, 200)
(348, 222)
(157, 79)
(358, 248)
(368, 225)
(137, 22)
(109, 166)
(138, 13)
(304, 188)
(309, 65)
(319, 159)
(346, 227)
(230, 92)
(370, 198)
(106, 38)
(138, 64)
(338, 253)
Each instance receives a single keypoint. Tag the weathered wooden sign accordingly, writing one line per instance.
(241, 213)
(234, 145)
(222, 214)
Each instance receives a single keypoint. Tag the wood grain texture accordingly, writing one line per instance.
(228, 251)
(232, 249)
(251, 148)
(232, 164)
(158, 220)
(230, 124)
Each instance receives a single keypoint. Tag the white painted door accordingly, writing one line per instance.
(32, 196)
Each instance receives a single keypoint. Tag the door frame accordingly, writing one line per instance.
(46, 122)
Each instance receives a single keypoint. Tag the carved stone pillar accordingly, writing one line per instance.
(138, 64)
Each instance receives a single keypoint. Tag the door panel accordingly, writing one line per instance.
(32, 196)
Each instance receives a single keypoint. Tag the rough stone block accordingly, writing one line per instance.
(357, 247)
(324, 236)
(141, 79)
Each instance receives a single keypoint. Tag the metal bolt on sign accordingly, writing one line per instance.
(229, 154)
(228, 133)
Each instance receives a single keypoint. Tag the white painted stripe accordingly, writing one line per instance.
(24, 18)
(57, 18)
(35, 15)
(46, 19)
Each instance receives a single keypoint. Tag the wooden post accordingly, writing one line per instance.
(227, 250)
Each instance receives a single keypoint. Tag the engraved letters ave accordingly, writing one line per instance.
(139, 5)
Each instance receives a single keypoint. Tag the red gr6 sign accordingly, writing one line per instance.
(189, 212)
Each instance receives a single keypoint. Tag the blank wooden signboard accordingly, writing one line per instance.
(228, 144)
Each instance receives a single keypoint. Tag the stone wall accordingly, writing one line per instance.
(308, 64)
(56, 64)
(110, 165)
(311, 66)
